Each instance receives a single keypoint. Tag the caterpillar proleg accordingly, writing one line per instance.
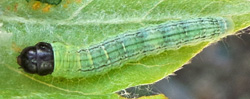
(73, 61)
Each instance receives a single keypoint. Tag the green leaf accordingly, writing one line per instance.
(86, 22)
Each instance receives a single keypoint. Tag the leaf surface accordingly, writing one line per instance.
(85, 22)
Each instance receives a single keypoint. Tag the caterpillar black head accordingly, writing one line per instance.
(37, 59)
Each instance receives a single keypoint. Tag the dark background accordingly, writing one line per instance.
(220, 71)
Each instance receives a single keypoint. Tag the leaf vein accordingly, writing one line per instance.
(150, 10)
(79, 10)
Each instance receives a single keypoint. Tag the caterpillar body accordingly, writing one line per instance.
(73, 61)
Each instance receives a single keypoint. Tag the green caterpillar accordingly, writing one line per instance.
(73, 61)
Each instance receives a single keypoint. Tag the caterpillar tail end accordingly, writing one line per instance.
(229, 25)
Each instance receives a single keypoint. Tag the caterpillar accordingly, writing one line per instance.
(67, 61)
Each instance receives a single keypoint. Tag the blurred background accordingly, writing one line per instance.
(220, 71)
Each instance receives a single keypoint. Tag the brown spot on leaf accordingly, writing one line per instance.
(15, 7)
(15, 47)
(66, 4)
(36, 5)
(8, 8)
(47, 8)
(79, 1)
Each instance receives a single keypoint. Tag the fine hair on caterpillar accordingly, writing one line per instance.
(67, 61)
